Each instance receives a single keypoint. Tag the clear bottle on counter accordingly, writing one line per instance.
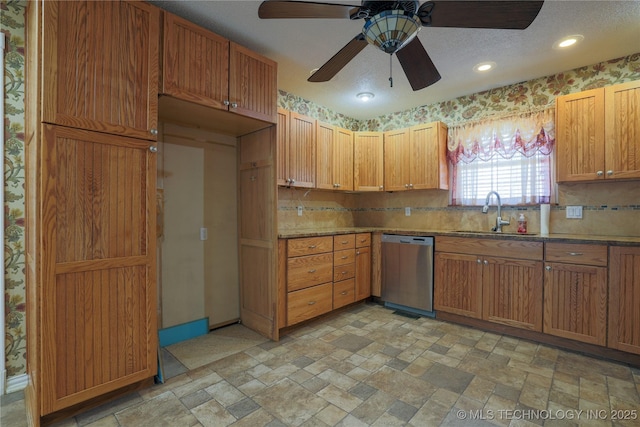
(522, 224)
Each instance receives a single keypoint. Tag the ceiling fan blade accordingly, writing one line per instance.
(417, 65)
(303, 9)
(339, 60)
(510, 15)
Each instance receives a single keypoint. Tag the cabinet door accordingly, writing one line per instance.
(282, 147)
(575, 302)
(368, 161)
(624, 298)
(302, 151)
(363, 273)
(458, 284)
(195, 64)
(428, 156)
(580, 136)
(100, 66)
(343, 159)
(98, 286)
(512, 292)
(325, 152)
(397, 163)
(622, 127)
(253, 81)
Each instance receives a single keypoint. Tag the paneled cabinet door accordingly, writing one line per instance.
(253, 81)
(397, 161)
(97, 283)
(575, 302)
(368, 161)
(363, 273)
(100, 66)
(195, 63)
(296, 150)
(458, 280)
(343, 159)
(624, 298)
(513, 292)
(334, 158)
(622, 130)
(428, 156)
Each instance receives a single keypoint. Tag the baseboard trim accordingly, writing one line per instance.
(183, 332)
(17, 383)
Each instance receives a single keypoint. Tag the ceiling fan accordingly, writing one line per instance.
(392, 26)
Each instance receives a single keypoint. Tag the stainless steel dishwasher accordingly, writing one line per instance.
(407, 273)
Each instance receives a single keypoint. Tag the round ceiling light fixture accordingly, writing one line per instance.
(365, 96)
(483, 67)
(568, 41)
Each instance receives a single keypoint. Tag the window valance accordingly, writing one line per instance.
(526, 133)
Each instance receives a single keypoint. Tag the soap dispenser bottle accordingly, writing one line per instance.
(522, 224)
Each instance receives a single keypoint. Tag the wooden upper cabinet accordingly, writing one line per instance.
(334, 157)
(282, 147)
(296, 146)
(195, 63)
(397, 161)
(428, 157)
(100, 66)
(253, 84)
(368, 161)
(624, 298)
(622, 130)
(598, 134)
(202, 67)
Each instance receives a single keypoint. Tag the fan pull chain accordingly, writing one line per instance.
(390, 71)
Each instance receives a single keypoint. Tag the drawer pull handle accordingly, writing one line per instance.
(312, 271)
(344, 272)
(344, 242)
(312, 246)
(343, 293)
(575, 253)
(311, 302)
(345, 257)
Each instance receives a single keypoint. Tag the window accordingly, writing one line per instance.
(511, 156)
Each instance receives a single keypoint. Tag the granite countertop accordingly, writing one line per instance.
(553, 237)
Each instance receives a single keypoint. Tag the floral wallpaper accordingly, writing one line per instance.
(528, 95)
(13, 27)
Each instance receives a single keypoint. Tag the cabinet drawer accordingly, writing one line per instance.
(576, 253)
(507, 248)
(308, 303)
(344, 241)
(309, 246)
(348, 256)
(363, 239)
(344, 293)
(343, 272)
(309, 270)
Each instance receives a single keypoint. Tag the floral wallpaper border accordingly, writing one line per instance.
(13, 27)
(513, 98)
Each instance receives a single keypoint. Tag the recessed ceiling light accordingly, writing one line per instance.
(484, 66)
(365, 96)
(568, 41)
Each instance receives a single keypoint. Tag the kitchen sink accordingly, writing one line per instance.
(494, 233)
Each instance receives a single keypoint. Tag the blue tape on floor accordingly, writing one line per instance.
(182, 332)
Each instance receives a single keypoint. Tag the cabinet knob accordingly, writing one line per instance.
(406, 186)
(226, 102)
(410, 185)
(381, 187)
(599, 173)
(153, 132)
(486, 262)
(609, 172)
(548, 268)
(234, 105)
(479, 261)
(153, 149)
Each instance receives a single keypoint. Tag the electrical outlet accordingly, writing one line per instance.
(407, 211)
(204, 233)
(299, 210)
(574, 212)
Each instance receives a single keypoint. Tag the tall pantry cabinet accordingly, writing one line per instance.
(91, 179)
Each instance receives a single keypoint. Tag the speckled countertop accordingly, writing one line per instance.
(566, 238)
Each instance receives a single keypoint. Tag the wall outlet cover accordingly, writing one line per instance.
(574, 212)
(299, 210)
(407, 211)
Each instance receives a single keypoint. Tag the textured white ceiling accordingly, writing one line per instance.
(611, 29)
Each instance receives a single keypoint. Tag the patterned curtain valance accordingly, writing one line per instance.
(525, 133)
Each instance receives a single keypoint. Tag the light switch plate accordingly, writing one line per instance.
(299, 210)
(204, 233)
(574, 212)
(407, 211)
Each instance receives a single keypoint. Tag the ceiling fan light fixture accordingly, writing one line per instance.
(365, 96)
(391, 30)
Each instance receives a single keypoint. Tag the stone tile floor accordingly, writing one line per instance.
(370, 367)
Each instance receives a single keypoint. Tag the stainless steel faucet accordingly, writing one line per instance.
(499, 221)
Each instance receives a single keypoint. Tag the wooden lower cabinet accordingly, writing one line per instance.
(495, 280)
(322, 274)
(575, 292)
(624, 298)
